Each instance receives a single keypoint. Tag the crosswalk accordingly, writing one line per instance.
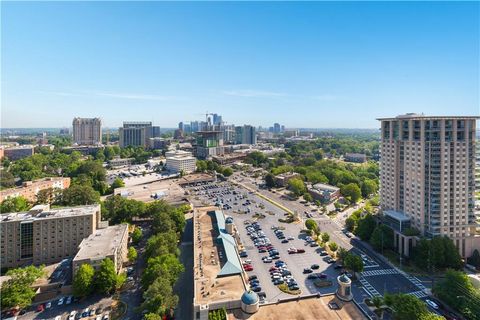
(413, 280)
(379, 272)
(369, 288)
(418, 294)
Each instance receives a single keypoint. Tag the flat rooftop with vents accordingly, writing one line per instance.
(217, 267)
(110, 242)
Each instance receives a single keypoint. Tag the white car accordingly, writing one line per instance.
(48, 305)
(58, 318)
(431, 304)
(60, 301)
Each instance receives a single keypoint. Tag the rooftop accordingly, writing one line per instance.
(215, 270)
(34, 215)
(400, 216)
(425, 117)
(102, 243)
(310, 308)
(325, 187)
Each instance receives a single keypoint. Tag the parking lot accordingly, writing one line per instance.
(247, 208)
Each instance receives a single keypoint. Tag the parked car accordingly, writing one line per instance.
(60, 301)
(307, 270)
(315, 266)
(432, 304)
(48, 305)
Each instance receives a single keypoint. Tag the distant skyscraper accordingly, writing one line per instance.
(87, 131)
(245, 135)
(181, 126)
(216, 119)
(427, 178)
(136, 134)
(276, 128)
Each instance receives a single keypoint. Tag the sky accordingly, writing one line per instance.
(304, 64)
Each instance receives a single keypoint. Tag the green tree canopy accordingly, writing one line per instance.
(297, 186)
(117, 183)
(369, 187)
(365, 227)
(351, 191)
(83, 281)
(333, 246)
(106, 277)
(132, 254)
(159, 297)
(382, 237)
(353, 262)
(406, 307)
(136, 235)
(77, 195)
(269, 180)
(14, 204)
(325, 237)
(17, 291)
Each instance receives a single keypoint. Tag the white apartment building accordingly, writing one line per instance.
(179, 160)
(427, 172)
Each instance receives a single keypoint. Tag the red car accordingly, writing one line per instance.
(248, 268)
(273, 269)
(40, 307)
(300, 250)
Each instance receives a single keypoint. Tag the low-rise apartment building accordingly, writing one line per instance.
(110, 242)
(18, 152)
(282, 179)
(324, 193)
(45, 236)
(355, 157)
(30, 189)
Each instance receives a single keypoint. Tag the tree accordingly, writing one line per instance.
(311, 224)
(325, 237)
(269, 180)
(118, 209)
(227, 171)
(83, 281)
(136, 235)
(369, 187)
(333, 246)
(351, 191)
(152, 316)
(378, 304)
(79, 195)
(382, 237)
(132, 254)
(307, 197)
(365, 227)
(342, 253)
(457, 291)
(350, 223)
(162, 243)
(47, 196)
(159, 297)
(353, 262)
(14, 204)
(17, 292)
(117, 183)
(201, 166)
(165, 266)
(297, 186)
(406, 307)
(106, 277)
(474, 260)
(7, 179)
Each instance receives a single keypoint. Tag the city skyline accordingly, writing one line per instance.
(307, 73)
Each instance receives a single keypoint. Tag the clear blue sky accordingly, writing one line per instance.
(327, 64)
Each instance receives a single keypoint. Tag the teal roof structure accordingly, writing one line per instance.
(233, 265)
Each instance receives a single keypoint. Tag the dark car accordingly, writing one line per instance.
(315, 266)
(307, 270)
(284, 241)
(312, 276)
(278, 281)
(338, 266)
(323, 253)
(257, 289)
(262, 294)
(252, 277)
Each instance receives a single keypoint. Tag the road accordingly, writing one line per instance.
(379, 276)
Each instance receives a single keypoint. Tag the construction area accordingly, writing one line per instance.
(167, 190)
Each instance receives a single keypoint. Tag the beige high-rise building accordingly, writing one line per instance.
(427, 172)
(44, 236)
(87, 131)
